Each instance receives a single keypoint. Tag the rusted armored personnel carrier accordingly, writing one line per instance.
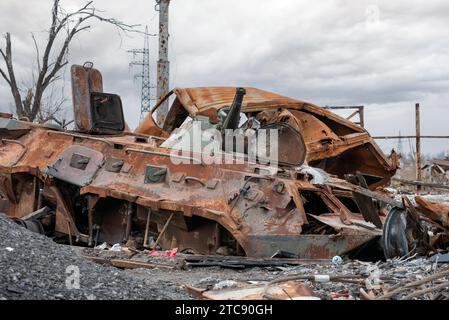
(101, 183)
(332, 143)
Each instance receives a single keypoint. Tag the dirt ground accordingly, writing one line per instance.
(32, 266)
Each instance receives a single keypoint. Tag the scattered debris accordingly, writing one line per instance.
(168, 253)
(116, 247)
(102, 246)
(262, 291)
(225, 284)
(337, 260)
(341, 296)
(146, 277)
(440, 258)
(244, 262)
(171, 259)
(393, 279)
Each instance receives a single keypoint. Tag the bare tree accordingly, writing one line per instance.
(64, 25)
(52, 107)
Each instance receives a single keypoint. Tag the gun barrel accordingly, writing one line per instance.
(233, 118)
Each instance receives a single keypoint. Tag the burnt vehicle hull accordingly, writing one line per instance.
(333, 143)
(101, 183)
(115, 197)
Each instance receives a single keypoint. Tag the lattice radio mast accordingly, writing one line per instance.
(146, 96)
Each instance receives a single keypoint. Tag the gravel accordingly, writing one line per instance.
(32, 266)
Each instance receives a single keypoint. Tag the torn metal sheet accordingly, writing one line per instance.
(438, 212)
(357, 225)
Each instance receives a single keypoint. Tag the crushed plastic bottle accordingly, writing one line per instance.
(337, 260)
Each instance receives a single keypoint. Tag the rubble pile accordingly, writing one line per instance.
(35, 267)
(395, 279)
(223, 278)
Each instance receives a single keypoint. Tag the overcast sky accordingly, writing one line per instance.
(386, 55)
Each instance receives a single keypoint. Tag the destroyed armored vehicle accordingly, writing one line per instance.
(101, 183)
(327, 141)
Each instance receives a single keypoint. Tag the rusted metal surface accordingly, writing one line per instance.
(443, 163)
(101, 187)
(333, 143)
(85, 80)
(76, 165)
(438, 212)
(248, 224)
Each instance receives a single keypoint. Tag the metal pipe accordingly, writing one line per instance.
(70, 232)
(168, 155)
(217, 237)
(362, 116)
(163, 230)
(90, 218)
(109, 143)
(409, 137)
(353, 114)
(147, 227)
(342, 107)
(40, 198)
(418, 145)
(359, 109)
(129, 215)
(196, 180)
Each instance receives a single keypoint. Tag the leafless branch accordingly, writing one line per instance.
(51, 107)
(5, 76)
(37, 53)
(11, 80)
(64, 26)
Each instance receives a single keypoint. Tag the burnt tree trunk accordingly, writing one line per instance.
(10, 78)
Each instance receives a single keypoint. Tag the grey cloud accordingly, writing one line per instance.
(325, 52)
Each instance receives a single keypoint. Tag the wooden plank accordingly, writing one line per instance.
(96, 259)
(132, 264)
(196, 292)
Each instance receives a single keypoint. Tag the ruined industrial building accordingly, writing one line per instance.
(321, 221)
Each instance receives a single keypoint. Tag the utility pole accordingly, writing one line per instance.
(163, 65)
(418, 144)
(400, 144)
(146, 96)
